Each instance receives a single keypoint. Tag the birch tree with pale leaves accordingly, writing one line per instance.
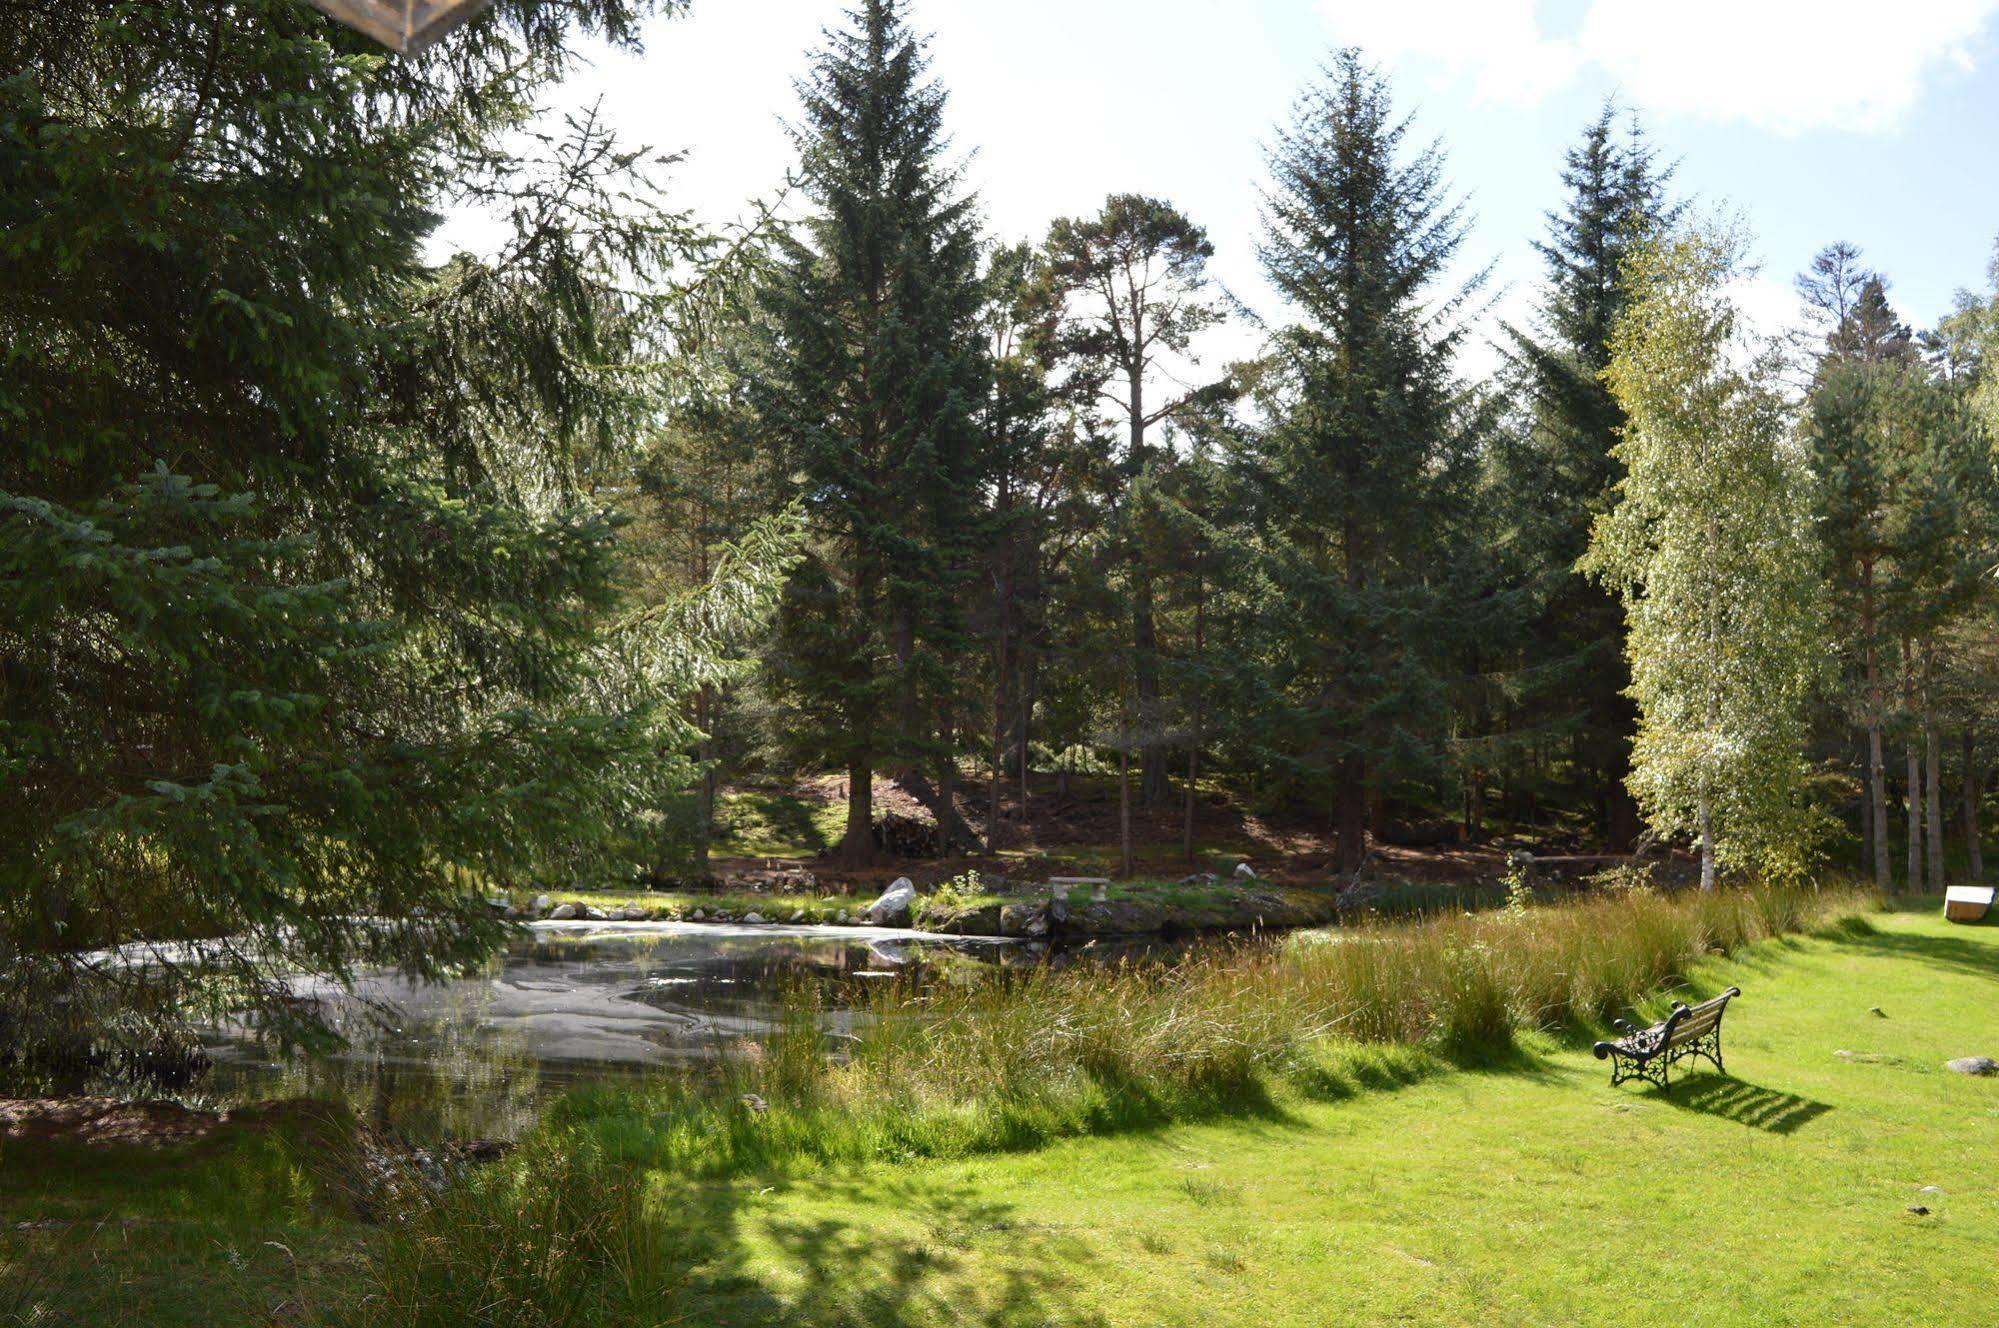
(1707, 548)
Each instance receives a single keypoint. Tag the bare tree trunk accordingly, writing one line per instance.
(1913, 763)
(1974, 848)
(999, 716)
(1124, 809)
(704, 811)
(857, 846)
(1350, 815)
(1877, 773)
(1194, 744)
(1707, 843)
(1933, 805)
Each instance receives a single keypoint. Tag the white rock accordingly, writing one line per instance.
(892, 908)
(753, 917)
(697, 916)
(799, 916)
(841, 916)
(1245, 872)
(595, 914)
(1973, 1065)
(540, 905)
(562, 912)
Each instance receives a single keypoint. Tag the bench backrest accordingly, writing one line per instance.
(1700, 1020)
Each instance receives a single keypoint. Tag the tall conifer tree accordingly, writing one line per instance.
(1556, 474)
(871, 385)
(298, 621)
(1359, 480)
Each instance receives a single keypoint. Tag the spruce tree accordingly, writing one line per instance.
(303, 586)
(1554, 475)
(870, 386)
(1359, 479)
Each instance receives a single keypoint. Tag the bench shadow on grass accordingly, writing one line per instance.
(1770, 1110)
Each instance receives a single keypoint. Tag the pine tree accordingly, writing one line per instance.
(304, 591)
(1555, 474)
(1708, 552)
(1358, 481)
(870, 386)
(1134, 285)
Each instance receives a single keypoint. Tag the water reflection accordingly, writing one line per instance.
(573, 1003)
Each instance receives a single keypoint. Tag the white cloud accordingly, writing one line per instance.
(1789, 66)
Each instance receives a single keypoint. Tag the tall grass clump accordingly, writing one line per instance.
(951, 1068)
(553, 1236)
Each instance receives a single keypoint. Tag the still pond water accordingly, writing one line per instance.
(575, 1003)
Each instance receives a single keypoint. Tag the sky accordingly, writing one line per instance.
(1812, 120)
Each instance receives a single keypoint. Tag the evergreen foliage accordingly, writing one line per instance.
(870, 386)
(1360, 481)
(304, 587)
(1554, 474)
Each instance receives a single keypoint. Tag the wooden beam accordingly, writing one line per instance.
(405, 26)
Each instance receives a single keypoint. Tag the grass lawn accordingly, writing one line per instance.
(1527, 1192)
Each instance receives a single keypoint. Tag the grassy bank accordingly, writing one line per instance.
(1102, 1147)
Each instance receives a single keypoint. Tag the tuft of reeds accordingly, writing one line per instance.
(565, 1232)
(952, 1068)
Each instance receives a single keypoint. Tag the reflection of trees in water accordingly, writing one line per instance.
(477, 1057)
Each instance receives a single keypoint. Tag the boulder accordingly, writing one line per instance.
(1201, 878)
(595, 914)
(1973, 1065)
(754, 918)
(698, 915)
(540, 906)
(1014, 919)
(1244, 872)
(841, 916)
(892, 908)
(562, 912)
(798, 916)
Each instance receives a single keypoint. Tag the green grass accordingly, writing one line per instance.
(751, 823)
(1209, 1166)
(817, 908)
(1383, 1190)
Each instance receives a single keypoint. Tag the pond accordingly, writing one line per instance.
(569, 1004)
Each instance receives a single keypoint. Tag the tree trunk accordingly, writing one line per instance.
(1350, 817)
(857, 845)
(1124, 810)
(1877, 771)
(999, 717)
(1974, 848)
(1913, 765)
(1145, 640)
(1194, 743)
(1707, 843)
(704, 811)
(1933, 805)
(1914, 762)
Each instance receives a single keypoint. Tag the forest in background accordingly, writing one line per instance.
(343, 581)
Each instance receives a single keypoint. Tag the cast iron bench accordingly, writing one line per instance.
(1650, 1053)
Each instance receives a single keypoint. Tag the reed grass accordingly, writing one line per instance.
(567, 1234)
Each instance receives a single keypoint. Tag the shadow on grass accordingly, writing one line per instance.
(922, 1265)
(1767, 1109)
(759, 823)
(1979, 958)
